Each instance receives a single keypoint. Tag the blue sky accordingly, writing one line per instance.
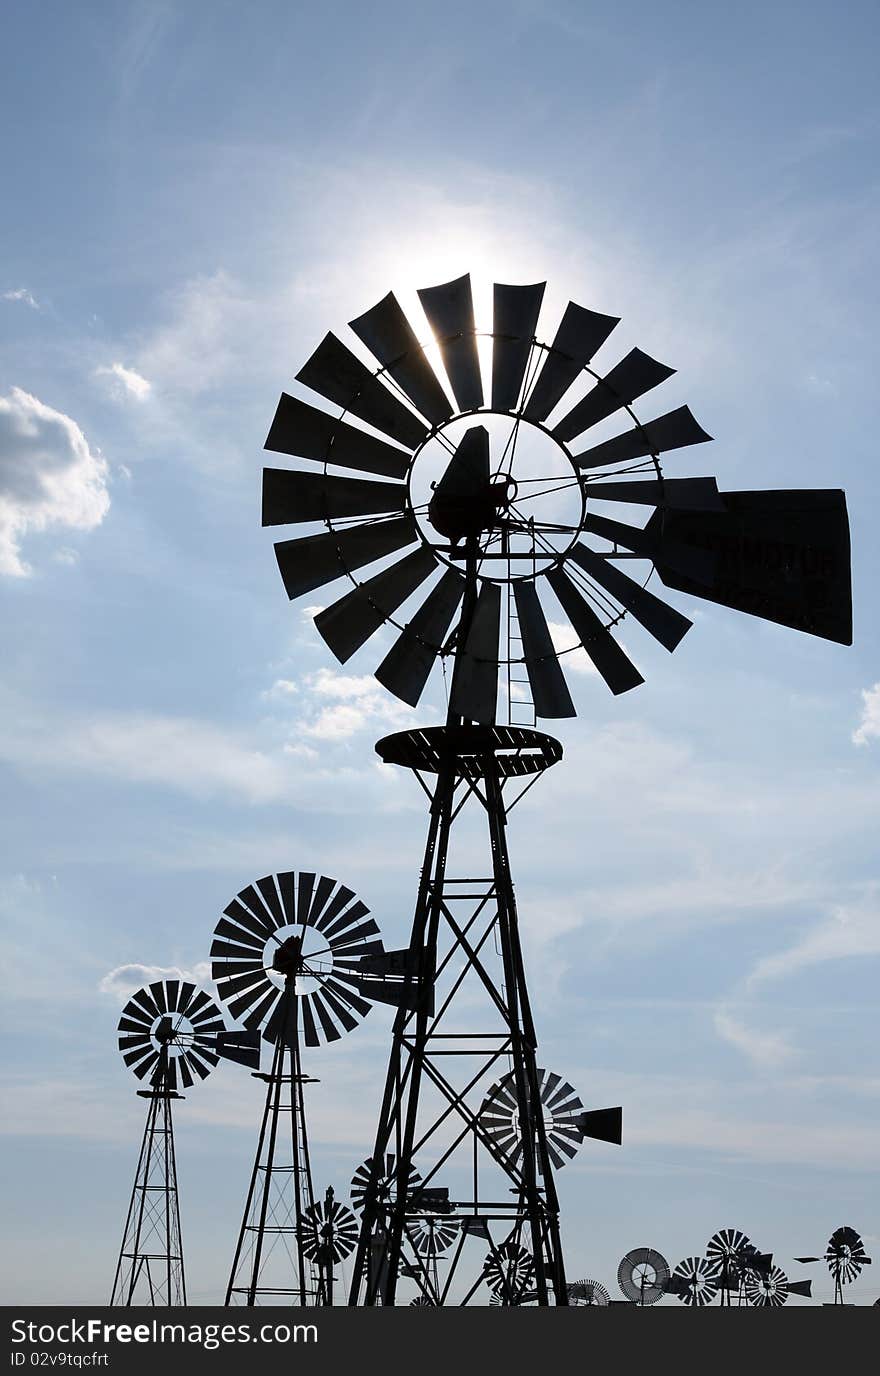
(194, 195)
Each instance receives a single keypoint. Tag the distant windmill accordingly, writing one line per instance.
(845, 1256)
(170, 1035)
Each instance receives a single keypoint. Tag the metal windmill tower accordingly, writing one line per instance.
(172, 1033)
(288, 957)
(469, 516)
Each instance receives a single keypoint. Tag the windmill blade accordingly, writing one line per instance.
(269, 895)
(405, 669)
(158, 992)
(340, 900)
(241, 938)
(335, 373)
(602, 1124)
(676, 430)
(320, 896)
(136, 1062)
(782, 556)
(257, 926)
(185, 1073)
(290, 496)
(241, 1047)
(389, 336)
(172, 991)
(655, 543)
(144, 1000)
(232, 952)
(449, 309)
(580, 334)
(136, 1017)
(615, 667)
(514, 319)
(677, 494)
(328, 1026)
(475, 680)
(304, 432)
(631, 378)
(662, 621)
(142, 1029)
(549, 690)
(349, 623)
(199, 1007)
(185, 997)
(311, 562)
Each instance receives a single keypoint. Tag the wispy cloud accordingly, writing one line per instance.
(766, 1050)
(179, 752)
(49, 476)
(125, 980)
(23, 295)
(849, 930)
(869, 727)
(127, 381)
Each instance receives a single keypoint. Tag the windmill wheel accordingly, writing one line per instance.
(642, 1275)
(768, 1291)
(432, 1236)
(561, 1109)
(845, 1255)
(695, 1279)
(508, 1269)
(300, 927)
(329, 1231)
(582, 1292)
(494, 472)
(421, 1301)
(727, 1252)
(174, 1017)
(386, 1184)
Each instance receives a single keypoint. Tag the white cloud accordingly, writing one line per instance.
(565, 638)
(48, 476)
(128, 382)
(850, 930)
(211, 321)
(125, 980)
(357, 702)
(199, 759)
(869, 727)
(767, 1050)
(22, 294)
(66, 555)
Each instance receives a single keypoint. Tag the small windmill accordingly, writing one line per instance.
(642, 1275)
(772, 1289)
(329, 1233)
(844, 1256)
(171, 1034)
(693, 1282)
(588, 1293)
(289, 958)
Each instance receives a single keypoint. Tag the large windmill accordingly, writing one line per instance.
(171, 1035)
(476, 519)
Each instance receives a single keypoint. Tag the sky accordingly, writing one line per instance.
(194, 194)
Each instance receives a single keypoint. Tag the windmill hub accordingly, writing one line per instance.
(506, 478)
(288, 958)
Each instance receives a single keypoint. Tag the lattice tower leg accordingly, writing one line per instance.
(427, 1045)
(270, 1266)
(150, 1267)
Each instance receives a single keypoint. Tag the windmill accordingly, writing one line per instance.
(588, 1292)
(329, 1233)
(470, 516)
(693, 1282)
(170, 1034)
(288, 958)
(772, 1289)
(844, 1256)
(642, 1275)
